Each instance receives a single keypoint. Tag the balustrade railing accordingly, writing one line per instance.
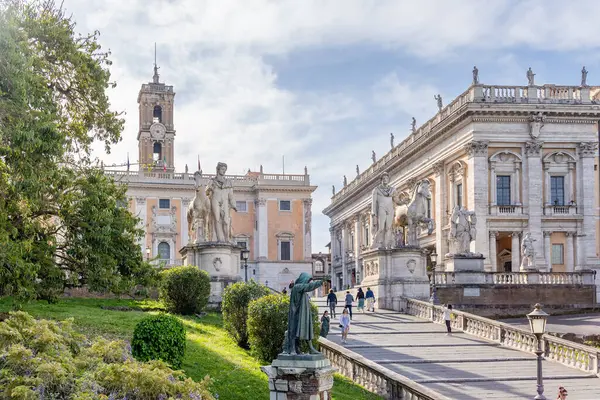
(574, 355)
(374, 377)
(584, 277)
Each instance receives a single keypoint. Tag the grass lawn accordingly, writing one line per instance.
(210, 351)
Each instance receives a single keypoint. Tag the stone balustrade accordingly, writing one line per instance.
(584, 277)
(574, 355)
(374, 377)
(188, 178)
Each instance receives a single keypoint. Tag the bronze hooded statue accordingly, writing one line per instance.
(300, 323)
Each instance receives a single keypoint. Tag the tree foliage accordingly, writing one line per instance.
(61, 220)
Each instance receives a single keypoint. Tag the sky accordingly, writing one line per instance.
(324, 82)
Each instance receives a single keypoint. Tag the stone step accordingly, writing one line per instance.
(505, 379)
(461, 360)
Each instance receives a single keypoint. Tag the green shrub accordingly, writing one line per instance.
(185, 290)
(43, 359)
(236, 298)
(159, 337)
(267, 323)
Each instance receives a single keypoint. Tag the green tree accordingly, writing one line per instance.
(61, 220)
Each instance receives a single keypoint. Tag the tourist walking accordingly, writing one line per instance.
(360, 297)
(332, 302)
(447, 315)
(325, 324)
(348, 302)
(562, 393)
(370, 297)
(345, 324)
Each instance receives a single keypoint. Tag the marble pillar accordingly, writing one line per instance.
(441, 242)
(548, 250)
(262, 234)
(587, 250)
(307, 229)
(184, 225)
(343, 256)
(569, 236)
(535, 177)
(494, 251)
(356, 245)
(477, 170)
(140, 208)
(515, 252)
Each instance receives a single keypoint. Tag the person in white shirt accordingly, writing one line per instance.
(345, 325)
(447, 314)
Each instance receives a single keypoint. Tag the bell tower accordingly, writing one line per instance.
(156, 134)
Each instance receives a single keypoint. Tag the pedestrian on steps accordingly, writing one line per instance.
(332, 302)
(349, 300)
(562, 393)
(325, 324)
(345, 325)
(370, 297)
(447, 315)
(360, 296)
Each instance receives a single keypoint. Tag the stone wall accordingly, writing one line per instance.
(497, 301)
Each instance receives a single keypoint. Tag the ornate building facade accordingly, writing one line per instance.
(274, 210)
(524, 159)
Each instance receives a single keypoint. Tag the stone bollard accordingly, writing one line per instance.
(303, 377)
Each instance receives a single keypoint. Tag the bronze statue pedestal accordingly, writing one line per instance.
(300, 377)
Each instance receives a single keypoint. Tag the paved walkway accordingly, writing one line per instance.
(460, 366)
(579, 324)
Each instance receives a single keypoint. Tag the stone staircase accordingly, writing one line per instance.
(388, 346)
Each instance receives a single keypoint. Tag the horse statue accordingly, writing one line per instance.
(412, 213)
(198, 214)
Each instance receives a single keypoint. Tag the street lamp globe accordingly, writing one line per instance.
(245, 254)
(433, 257)
(537, 320)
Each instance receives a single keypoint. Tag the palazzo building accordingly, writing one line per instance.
(274, 210)
(523, 158)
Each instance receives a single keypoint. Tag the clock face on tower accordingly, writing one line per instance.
(157, 131)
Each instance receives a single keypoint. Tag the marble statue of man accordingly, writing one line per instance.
(584, 77)
(438, 98)
(530, 77)
(392, 140)
(413, 125)
(300, 322)
(373, 156)
(384, 200)
(475, 76)
(527, 252)
(220, 193)
(461, 230)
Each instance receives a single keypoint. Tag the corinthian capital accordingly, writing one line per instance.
(438, 167)
(533, 148)
(476, 148)
(587, 149)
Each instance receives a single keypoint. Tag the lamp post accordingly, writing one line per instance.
(148, 253)
(245, 254)
(434, 300)
(350, 257)
(537, 322)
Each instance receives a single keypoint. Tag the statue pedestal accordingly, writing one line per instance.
(220, 260)
(303, 377)
(393, 273)
(472, 262)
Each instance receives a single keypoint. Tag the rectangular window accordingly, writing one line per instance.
(241, 206)
(243, 245)
(557, 190)
(503, 190)
(164, 203)
(286, 250)
(459, 194)
(285, 205)
(367, 236)
(558, 254)
(429, 207)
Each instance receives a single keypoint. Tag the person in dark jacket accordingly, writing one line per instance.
(332, 302)
(360, 297)
(325, 325)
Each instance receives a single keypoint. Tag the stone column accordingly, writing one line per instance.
(517, 197)
(343, 256)
(184, 226)
(569, 236)
(548, 250)
(440, 190)
(140, 208)
(356, 245)
(587, 247)
(477, 171)
(493, 188)
(262, 233)
(494, 251)
(307, 228)
(515, 252)
(535, 178)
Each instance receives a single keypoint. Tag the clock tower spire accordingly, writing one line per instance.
(156, 133)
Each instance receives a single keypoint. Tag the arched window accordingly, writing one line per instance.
(164, 251)
(157, 156)
(157, 113)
